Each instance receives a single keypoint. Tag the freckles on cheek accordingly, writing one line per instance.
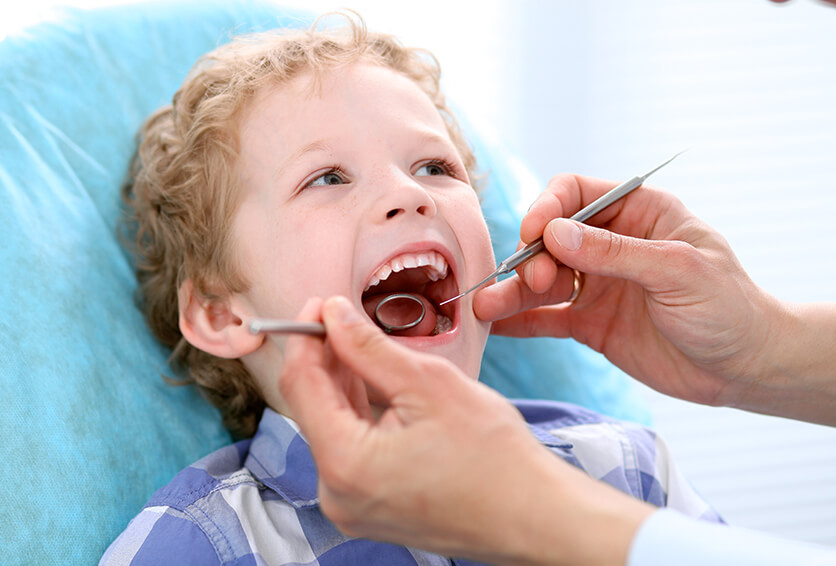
(315, 237)
(321, 212)
(346, 207)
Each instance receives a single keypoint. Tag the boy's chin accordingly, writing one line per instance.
(379, 403)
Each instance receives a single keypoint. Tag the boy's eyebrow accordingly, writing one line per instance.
(316, 145)
(431, 136)
(423, 137)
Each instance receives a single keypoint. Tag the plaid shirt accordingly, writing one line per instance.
(255, 502)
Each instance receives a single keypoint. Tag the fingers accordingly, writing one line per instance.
(301, 354)
(598, 251)
(564, 196)
(646, 213)
(514, 295)
(380, 361)
(539, 273)
(652, 264)
(320, 402)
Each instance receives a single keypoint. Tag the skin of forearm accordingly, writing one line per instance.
(796, 376)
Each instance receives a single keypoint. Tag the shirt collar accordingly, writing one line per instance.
(548, 438)
(281, 459)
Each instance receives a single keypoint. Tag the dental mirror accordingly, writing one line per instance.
(397, 308)
(390, 314)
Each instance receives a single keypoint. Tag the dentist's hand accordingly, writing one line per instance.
(664, 297)
(449, 466)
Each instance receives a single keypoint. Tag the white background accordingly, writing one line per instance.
(610, 88)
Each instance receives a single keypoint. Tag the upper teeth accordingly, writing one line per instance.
(434, 262)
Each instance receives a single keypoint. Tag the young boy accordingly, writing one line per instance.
(303, 164)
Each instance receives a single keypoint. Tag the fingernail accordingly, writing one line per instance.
(529, 272)
(567, 233)
(344, 312)
(536, 200)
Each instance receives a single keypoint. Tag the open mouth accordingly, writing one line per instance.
(427, 277)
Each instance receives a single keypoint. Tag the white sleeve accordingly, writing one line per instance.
(668, 537)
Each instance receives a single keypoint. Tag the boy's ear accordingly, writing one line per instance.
(215, 326)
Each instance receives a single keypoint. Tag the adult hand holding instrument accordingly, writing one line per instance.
(583, 215)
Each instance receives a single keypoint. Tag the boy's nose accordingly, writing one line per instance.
(405, 196)
(423, 210)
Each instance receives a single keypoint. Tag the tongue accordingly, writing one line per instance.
(401, 313)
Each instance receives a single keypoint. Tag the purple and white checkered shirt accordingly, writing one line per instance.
(255, 502)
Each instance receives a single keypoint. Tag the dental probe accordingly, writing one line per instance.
(583, 215)
(283, 326)
(279, 326)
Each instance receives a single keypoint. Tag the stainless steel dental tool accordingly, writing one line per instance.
(583, 215)
(282, 326)
(389, 328)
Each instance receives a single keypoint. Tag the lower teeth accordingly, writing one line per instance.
(442, 324)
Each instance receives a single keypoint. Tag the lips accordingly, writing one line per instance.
(427, 276)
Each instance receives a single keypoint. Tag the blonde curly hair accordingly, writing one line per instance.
(183, 191)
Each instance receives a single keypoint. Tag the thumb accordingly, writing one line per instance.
(601, 252)
(378, 360)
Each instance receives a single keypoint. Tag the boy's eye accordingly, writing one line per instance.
(432, 168)
(332, 177)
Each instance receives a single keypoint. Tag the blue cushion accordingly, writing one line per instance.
(90, 428)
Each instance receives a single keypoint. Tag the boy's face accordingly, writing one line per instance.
(346, 182)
